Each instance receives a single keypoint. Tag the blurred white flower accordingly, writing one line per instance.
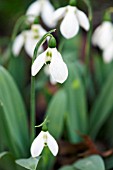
(57, 68)
(72, 18)
(103, 35)
(41, 8)
(28, 39)
(44, 139)
(103, 38)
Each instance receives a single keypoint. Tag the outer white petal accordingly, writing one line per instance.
(83, 19)
(52, 81)
(106, 35)
(58, 68)
(37, 145)
(108, 53)
(34, 10)
(38, 63)
(52, 144)
(18, 44)
(103, 35)
(96, 35)
(47, 14)
(59, 13)
(69, 26)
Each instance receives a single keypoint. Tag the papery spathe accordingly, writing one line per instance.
(44, 139)
(57, 68)
(72, 18)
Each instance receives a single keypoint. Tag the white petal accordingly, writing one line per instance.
(52, 80)
(59, 13)
(18, 44)
(37, 145)
(47, 14)
(69, 26)
(108, 53)
(96, 35)
(52, 144)
(38, 63)
(103, 35)
(30, 43)
(33, 10)
(58, 68)
(83, 19)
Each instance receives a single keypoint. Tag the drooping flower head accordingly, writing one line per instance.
(58, 70)
(28, 39)
(44, 139)
(41, 8)
(103, 38)
(71, 17)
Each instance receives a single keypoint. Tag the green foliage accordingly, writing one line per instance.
(13, 116)
(30, 163)
(102, 107)
(76, 118)
(94, 162)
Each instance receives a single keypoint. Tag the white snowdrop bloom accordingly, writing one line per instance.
(72, 18)
(44, 139)
(47, 72)
(108, 53)
(57, 68)
(28, 39)
(41, 8)
(103, 35)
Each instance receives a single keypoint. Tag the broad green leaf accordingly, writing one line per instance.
(3, 154)
(102, 107)
(76, 118)
(68, 168)
(56, 113)
(13, 116)
(30, 163)
(94, 162)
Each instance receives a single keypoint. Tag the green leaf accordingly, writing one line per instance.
(94, 162)
(3, 154)
(13, 116)
(30, 163)
(76, 119)
(102, 107)
(68, 168)
(56, 113)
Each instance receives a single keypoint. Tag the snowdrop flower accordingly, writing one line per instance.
(44, 139)
(41, 8)
(28, 39)
(103, 35)
(72, 18)
(57, 68)
(103, 38)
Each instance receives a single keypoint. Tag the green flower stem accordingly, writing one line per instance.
(32, 113)
(88, 45)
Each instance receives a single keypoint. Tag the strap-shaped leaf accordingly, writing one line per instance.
(94, 162)
(13, 115)
(30, 163)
